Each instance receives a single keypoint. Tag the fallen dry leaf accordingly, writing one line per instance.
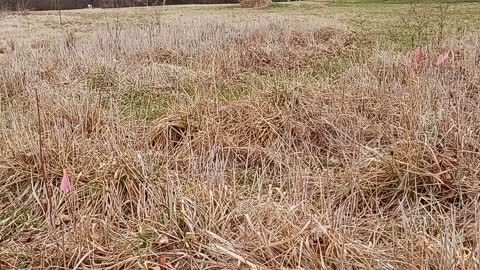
(95, 233)
(162, 262)
(442, 59)
(163, 240)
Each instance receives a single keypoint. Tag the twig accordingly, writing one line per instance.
(57, 6)
(42, 161)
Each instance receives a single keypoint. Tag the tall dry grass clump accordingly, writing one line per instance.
(255, 3)
(210, 143)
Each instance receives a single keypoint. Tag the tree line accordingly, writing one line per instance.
(76, 4)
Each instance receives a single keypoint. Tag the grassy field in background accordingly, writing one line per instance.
(399, 24)
(305, 135)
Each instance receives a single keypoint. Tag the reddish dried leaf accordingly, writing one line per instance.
(442, 59)
(162, 262)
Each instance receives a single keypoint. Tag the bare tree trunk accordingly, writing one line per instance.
(164, 2)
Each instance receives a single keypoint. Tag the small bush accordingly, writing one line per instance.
(255, 3)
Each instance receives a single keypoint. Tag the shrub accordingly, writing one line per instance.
(255, 3)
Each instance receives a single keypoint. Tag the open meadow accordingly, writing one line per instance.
(304, 135)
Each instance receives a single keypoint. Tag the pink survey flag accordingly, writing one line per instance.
(417, 59)
(65, 185)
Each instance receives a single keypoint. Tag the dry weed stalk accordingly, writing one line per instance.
(46, 184)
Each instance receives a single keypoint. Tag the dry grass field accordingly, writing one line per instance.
(306, 135)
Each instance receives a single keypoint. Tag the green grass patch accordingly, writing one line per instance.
(356, 2)
(332, 68)
(144, 105)
(233, 92)
(402, 25)
(145, 238)
(23, 262)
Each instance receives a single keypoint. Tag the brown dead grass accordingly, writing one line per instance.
(375, 167)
